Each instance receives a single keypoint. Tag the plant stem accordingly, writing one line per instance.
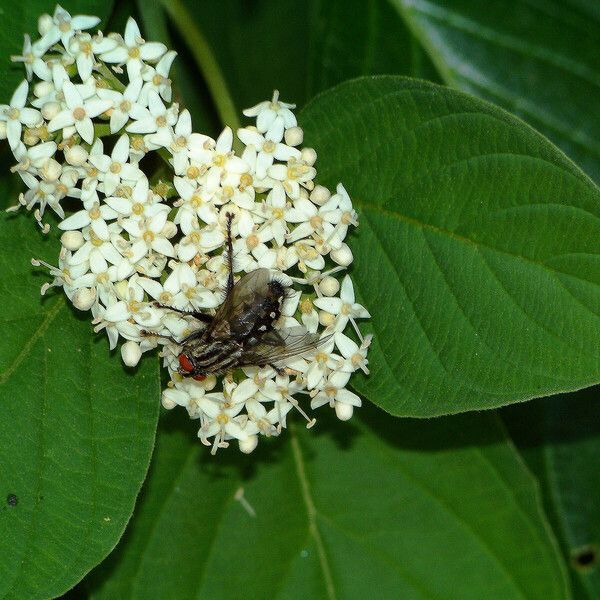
(205, 59)
(116, 83)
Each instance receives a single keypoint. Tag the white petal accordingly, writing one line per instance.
(85, 128)
(331, 305)
(76, 221)
(132, 33)
(152, 51)
(72, 96)
(61, 120)
(120, 152)
(19, 97)
(347, 293)
(163, 246)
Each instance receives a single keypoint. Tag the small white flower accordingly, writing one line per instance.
(156, 119)
(157, 79)
(96, 217)
(134, 50)
(292, 176)
(31, 57)
(16, 114)
(148, 235)
(344, 308)
(64, 27)
(115, 167)
(267, 150)
(79, 113)
(124, 105)
(83, 47)
(273, 117)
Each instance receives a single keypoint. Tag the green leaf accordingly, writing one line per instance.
(303, 49)
(560, 439)
(540, 60)
(76, 431)
(376, 510)
(20, 18)
(477, 252)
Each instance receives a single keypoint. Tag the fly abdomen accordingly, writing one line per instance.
(215, 356)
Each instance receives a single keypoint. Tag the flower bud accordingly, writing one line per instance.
(29, 137)
(343, 411)
(326, 319)
(84, 298)
(167, 400)
(294, 136)
(329, 286)
(342, 256)
(309, 156)
(51, 170)
(248, 444)
(76, 155)
(45, 22)
(43, 88)
(169, 230)
(131, 353)
(72, 240)
(50, 110)
(320, 195)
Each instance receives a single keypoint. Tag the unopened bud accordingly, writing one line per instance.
(43, 89)
(76, 155)
(169, 230)
(320, 195)
(326, 319)
(131, 353)
(343, 411)
(248, 444)
(45, 22)
(50, 110)
(84, 298)
(329, 286)
(309, 156)
(167, 400)
(51, 170)
(294, 136)
(72, 240)
(342, 256)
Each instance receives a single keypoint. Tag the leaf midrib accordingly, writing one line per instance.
(41, 329)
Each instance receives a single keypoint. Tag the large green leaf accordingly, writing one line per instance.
(538, 58)
(384, 509)
(19, 18)
(76, 431)
(560, 439)
(304, 48)
(478, 250)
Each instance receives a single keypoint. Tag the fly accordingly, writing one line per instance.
(242, 332)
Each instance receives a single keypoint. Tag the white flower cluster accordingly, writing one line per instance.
(91, 108)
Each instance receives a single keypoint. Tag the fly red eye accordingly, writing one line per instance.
(185, 363)
(199, 377)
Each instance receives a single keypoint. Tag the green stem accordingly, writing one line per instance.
(206, 61)
(115, 82)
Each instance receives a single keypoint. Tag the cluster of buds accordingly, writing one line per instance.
(80, 124)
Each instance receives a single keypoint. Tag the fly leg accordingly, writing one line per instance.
(229, 217)
(277, 370)
(192, 313)
(145, 333)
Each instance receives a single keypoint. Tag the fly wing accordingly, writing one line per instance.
(281, 344)
(236, 309)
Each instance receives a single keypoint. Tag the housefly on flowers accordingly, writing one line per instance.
(242, 332)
